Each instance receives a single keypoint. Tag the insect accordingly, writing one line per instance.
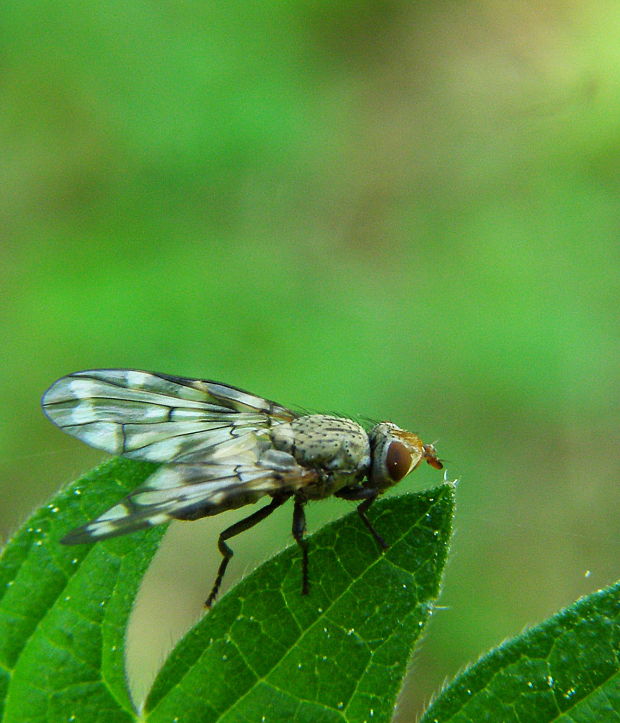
(224, 448)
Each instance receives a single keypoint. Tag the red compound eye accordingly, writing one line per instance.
(397, 461)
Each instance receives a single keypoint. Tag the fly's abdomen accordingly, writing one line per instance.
(335, 445)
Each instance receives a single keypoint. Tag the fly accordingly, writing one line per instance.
(223, 448)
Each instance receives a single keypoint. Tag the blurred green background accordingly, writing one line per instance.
(399, 210)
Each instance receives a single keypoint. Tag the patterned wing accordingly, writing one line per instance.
(160, 418)
(190, 491)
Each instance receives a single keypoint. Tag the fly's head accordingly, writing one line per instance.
(396, 452)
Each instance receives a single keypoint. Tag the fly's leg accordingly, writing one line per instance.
(233, 530)
(368, 495)
(362, 510)
(299, 529)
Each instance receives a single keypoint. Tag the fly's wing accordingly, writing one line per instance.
(190, 491)
(157, 417)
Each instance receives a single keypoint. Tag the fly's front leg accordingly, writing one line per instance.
(233, 530)
(299, 529)
(368, 495)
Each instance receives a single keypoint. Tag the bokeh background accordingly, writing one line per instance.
(392, 209)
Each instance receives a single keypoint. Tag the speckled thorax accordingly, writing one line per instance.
(337, 448)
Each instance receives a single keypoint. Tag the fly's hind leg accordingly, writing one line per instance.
(299, 529)
(368, 495)
(245, 524)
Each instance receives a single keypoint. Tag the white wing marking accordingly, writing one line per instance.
(158, 417)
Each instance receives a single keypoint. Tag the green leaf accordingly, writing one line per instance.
(64, 610)
(264, 653)
(267, 653)
(565, 669)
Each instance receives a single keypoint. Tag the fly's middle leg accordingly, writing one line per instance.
(299, 529)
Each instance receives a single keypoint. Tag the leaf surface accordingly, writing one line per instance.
(267, 653)
(565, 669)
(64, 610)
